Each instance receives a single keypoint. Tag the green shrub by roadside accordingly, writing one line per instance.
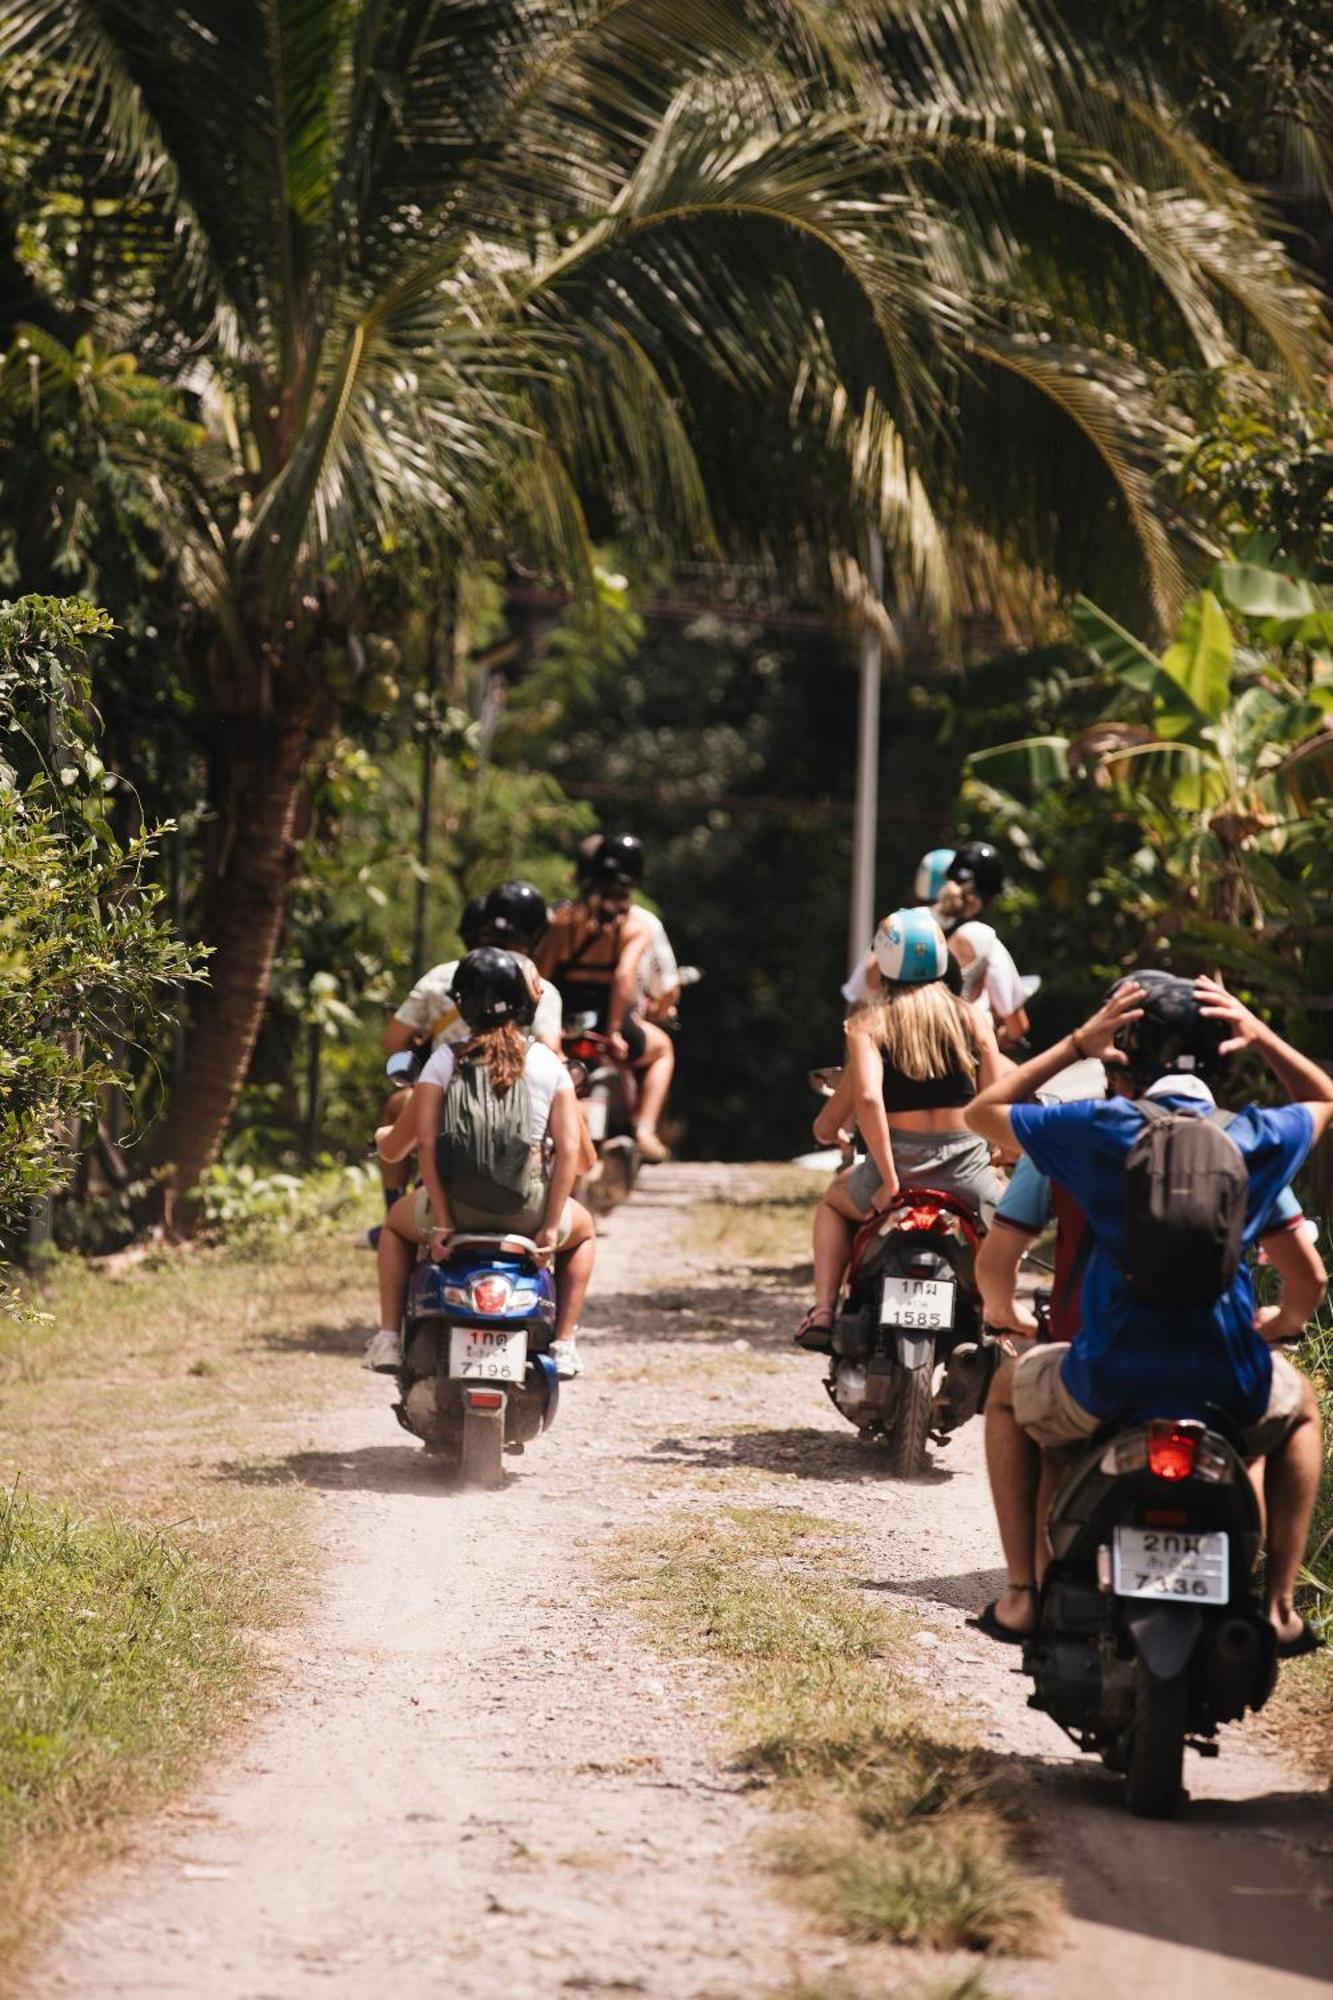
(901, 1829)
(116, 1650)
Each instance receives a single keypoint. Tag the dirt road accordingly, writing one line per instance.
(476, 1777)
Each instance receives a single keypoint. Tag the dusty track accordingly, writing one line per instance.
(476, 1779)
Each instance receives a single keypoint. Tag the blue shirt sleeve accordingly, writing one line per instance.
(1275, 1144)
(1058, 1139)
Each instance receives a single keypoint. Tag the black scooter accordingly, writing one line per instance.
(1150, 1625)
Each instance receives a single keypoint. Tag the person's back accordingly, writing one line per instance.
(1133, 1356)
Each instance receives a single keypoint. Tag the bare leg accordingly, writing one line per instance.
(1291, 1485)
(834, 1235)
(653, 1076)
(397, 1253)
(1049, 1484)
(395, 1173)
(573, 1271)
(1012, 1463)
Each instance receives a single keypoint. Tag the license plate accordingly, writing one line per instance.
(1156, 1562)
(487, 1354)
(923, 1304)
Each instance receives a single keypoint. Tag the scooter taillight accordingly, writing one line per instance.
(584, 1052)
(491, 1294)
(1172, 1449)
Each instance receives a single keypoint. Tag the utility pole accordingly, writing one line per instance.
(861, 914)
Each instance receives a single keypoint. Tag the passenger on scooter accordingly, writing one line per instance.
(496, 993)
(973, 878)
(953, 884)
(595, 948)
(513, 916)
(913, 1063)
(1133, 1359)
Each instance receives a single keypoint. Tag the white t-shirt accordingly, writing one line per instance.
(429, 1008)
(991, 969)
(543, 1072)
(658, 973)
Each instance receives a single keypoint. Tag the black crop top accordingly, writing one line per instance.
(936, 1093)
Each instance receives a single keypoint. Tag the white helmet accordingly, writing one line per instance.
(932, 872)
(910, 949)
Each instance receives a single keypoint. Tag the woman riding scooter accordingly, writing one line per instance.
(515, 1080)
(915, 1060)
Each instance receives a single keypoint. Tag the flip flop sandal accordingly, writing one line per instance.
(815, 1333)
(986, 1621)
(1307, 1640)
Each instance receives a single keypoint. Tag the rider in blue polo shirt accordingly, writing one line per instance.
(1130, 1357)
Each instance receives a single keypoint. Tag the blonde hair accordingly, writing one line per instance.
(923, 1031)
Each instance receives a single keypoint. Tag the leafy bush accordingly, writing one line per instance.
(248, 1209)
(85, 952)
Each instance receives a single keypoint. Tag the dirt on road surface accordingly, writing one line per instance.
(476, 1777)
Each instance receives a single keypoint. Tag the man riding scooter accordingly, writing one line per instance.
(1133, 1356)
(595, 948)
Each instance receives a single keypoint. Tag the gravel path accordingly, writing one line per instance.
(475, 1778)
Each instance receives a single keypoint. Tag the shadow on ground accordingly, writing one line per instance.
(375, 1468)
(797, 1452)
(763, 1310)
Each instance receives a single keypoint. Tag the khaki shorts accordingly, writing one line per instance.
(468, 1220)
(1048, 1413)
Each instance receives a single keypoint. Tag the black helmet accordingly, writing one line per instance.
(491, 987)
(1172, 1037)
(978, 865)
(616, 864)
(515, 913)
(469, 924)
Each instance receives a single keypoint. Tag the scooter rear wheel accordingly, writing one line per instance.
(1153, 1787)
(482, 1460)
(910, 1429)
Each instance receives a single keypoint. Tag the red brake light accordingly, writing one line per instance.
(1171, 1450)
(484, 1399)
(490, 1295)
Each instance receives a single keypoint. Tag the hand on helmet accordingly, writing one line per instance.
(1097, 1037)
(1216, 1004)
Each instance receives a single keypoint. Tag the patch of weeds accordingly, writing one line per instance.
(905, 1830)
(116, 1650)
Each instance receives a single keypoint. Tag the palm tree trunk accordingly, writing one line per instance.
(262, 764)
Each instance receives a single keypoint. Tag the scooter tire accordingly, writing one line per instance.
(1154, 1766)
(481, 1462)
(910, 1430)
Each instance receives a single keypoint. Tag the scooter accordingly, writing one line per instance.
(911, 1314)
(599, 1081)
(1150, 1625)
(477, 1378)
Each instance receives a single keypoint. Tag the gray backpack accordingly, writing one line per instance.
(484, 1155)
(1186, 1191)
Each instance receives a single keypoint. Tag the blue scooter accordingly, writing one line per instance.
(477, 1377)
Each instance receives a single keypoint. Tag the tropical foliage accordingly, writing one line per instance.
(490, 277)
(86, 958)
(1215, 757)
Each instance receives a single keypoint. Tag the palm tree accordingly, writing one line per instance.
(458, 265)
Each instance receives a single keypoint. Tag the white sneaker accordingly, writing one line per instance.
(568, 1361)
(384, 1352)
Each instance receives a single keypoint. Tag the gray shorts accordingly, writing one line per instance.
(1048, 1413)
(957, 1163)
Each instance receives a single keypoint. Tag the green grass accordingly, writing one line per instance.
(158, 1414)
(900, 1829)
(117, 1653)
